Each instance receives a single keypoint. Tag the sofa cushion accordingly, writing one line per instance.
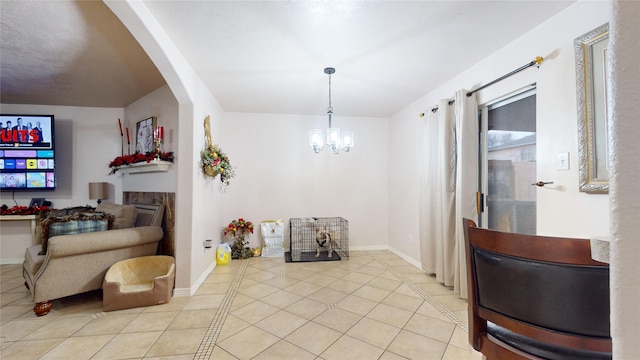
(74, 224)
(66, 211)
(124, 215)
(149, 214)
(59, 213)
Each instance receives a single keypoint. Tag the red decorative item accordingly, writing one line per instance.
(240, 226)
(138, 157)
(22, 210)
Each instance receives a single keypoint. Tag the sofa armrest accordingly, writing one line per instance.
(76, 244)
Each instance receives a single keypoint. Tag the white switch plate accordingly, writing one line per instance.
(563, 161)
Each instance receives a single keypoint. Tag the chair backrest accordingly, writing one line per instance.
(535, 297)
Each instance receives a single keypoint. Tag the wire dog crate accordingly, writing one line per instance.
(318, 239)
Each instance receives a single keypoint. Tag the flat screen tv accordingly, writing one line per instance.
(27, 153)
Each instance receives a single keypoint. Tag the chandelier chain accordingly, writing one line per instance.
(330, 108)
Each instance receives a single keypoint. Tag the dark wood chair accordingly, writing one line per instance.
(535, 297)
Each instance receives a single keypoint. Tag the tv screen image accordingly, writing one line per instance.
(27, 152)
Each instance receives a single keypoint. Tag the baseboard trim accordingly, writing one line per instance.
(406, 258)
(178, 292)
(368, 248)
(181, 292)
(11, 261)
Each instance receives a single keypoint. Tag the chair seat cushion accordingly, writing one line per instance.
(544, 350)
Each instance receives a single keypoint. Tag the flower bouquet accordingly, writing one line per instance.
(237, 230)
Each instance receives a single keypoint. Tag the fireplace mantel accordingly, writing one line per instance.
(145, 167)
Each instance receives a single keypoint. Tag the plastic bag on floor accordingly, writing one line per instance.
(223, 254)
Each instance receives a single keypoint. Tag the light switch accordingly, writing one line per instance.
(563, 161)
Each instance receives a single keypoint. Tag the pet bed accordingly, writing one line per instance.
(140, 281)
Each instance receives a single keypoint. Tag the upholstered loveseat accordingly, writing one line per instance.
(66, 265)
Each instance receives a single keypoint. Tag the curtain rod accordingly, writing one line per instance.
(535, 62)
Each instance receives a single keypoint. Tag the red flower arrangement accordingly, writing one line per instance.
(239, 227)
(22, 210)
(139, 157)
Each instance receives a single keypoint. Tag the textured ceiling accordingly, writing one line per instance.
(262, 56)
(70, 53)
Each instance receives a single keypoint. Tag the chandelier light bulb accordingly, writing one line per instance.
(347, 140)
(316, 140)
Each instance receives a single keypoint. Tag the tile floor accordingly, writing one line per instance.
(373, 306)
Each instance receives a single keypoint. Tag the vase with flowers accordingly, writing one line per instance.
(238, 230)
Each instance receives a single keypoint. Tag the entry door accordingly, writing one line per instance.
(508, 154)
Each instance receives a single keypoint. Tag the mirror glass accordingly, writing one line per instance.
(591, 65)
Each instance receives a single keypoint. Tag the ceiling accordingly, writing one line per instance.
(259, 56)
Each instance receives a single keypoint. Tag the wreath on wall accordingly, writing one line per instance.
(214, 161)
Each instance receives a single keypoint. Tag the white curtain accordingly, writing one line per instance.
(438, 195)
(449, 181)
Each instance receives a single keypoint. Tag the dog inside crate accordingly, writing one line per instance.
(318, 239)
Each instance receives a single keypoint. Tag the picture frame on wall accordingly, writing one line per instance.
(144, 135)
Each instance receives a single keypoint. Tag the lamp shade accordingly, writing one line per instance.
(98, 190)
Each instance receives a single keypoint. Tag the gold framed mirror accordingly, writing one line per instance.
(591, 85)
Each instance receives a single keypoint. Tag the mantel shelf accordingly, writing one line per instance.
(145, 167)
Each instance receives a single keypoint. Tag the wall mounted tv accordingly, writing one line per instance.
(27, 153)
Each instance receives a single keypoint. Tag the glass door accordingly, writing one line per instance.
(508, 154)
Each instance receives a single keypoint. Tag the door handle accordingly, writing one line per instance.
(542, 183)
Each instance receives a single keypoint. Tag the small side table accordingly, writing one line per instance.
(32, 218)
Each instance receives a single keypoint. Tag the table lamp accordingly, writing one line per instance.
(98, 190)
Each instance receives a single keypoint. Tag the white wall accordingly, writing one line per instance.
(562, 209)
(204, 200)
(198, 210)
(86, 140)
(163, 105)
(625, 171)
(278, 176)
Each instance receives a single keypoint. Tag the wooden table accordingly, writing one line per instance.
(32, 218)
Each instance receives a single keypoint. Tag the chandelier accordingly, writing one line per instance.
(335, 140)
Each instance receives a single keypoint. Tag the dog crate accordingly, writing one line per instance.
(318, 239)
